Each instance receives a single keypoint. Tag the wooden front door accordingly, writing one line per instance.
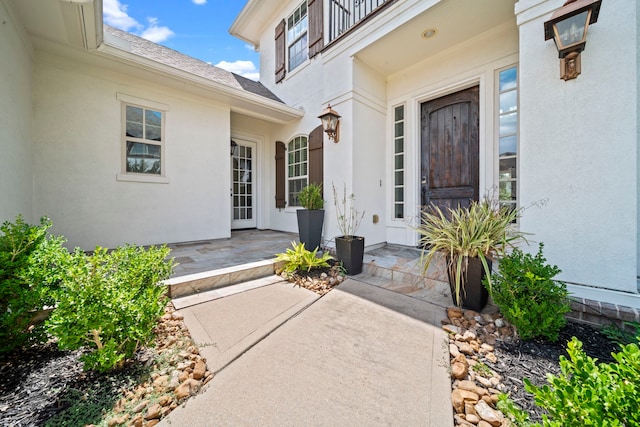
(450, 150)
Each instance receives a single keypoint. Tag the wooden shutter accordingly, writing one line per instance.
(281, 47)
(316, 27)
(316, 162)
(281, 170)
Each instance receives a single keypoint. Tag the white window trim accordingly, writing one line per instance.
(123, 175)
(289, 43)
(288, 178)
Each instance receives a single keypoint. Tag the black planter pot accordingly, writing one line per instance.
(350, 251)
(473, 294)
(310, 227)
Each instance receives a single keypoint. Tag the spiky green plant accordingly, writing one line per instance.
(301, 259)
(484, 230)
(310, 197)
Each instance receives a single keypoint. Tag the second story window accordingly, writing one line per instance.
(297, 45)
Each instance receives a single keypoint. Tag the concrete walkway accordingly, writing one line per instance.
(359, 356)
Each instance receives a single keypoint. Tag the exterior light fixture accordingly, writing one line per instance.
(234, 145)
(331, 123)
(568, 29)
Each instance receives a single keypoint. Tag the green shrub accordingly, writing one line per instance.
(110, 303)
(31, 268)
(590, 394)
(301, 259)
(310, 197)
(528, 297)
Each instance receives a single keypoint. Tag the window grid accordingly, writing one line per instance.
(398, 162)
(297, 25)
(297, 168)
(143, 143)
(242, 183)
(508, 136)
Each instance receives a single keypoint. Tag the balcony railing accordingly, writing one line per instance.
(345, 14)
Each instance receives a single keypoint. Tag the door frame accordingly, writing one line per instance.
(486, 154)
(257, 177)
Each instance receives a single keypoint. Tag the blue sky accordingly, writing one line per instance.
(198, 28)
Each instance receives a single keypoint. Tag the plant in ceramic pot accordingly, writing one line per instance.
(349, 247)
(311, 218)
(470, 238)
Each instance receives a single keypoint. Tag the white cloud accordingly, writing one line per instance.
(155, 33)
(250, 47)
(244, 68)
(199, 1)
(115, 14)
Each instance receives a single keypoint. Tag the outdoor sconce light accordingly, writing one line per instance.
(331, 123)
(568, 29)
(234, 145)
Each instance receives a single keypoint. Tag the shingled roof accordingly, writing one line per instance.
(180, 61)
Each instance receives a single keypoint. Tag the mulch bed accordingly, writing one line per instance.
(535, 358)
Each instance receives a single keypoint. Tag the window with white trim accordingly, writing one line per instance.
(398, 162)
(297, 168)
(508, 136)
(297, 45)
(143, 144)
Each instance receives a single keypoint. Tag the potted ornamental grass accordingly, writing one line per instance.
(349, 246)
(469, 238)
(311, 217)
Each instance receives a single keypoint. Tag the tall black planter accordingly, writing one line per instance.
(473, 294)
(310, 227)
(350, 251)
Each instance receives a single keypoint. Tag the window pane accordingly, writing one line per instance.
(509, 124)
(399, 163)
(399, 129)
(508, 79)
(399, 113)
(399, 211)
(508, 101)
(508, 190)
(399, 195)
(143, 158)
(399, 145)
(508, 145)
(134, 121)
(399, 178)
(508, 169)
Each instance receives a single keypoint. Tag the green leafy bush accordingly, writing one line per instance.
(32, 265)
(590, 394)
(310, 197)
(110, 303)
(301, 259)
(528, 297)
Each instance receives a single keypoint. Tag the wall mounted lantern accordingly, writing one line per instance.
(234, 146)
(568, 29)
(331, 123)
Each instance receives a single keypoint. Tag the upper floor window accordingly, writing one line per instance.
(297, 45)
(297, 168)
(508, 136)
(143, 140)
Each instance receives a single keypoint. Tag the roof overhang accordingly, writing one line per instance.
(253, 18)
(77, 23)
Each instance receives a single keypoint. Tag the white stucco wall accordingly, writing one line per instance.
(578, 146)
(15, 121)
(77, 135)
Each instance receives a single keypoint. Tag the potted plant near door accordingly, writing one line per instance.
(469, 238)
(349, 247)
(311, 217)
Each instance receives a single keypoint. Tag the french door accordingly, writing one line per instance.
(243, 184)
